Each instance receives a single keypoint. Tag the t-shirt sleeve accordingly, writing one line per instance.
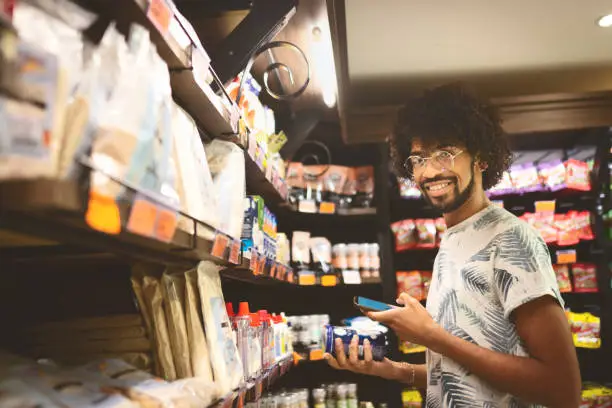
(522, 269)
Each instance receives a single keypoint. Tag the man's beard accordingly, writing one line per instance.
(460, 197)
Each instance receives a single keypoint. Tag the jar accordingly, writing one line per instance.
(364, 260)
(318, 397)
(374, 260)
(352, 255)
(351, 395)
(340, 260)
(341, 396)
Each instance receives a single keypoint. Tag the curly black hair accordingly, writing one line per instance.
(452, 114)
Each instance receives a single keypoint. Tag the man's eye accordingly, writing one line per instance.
(444, 154)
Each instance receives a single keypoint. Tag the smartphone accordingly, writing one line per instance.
(370, 305)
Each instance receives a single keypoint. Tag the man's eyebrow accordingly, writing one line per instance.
(416, 153)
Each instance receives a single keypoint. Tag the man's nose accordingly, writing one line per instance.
(430, 171)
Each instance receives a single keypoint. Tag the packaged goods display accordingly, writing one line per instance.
(306, 332)
(259, 230)
(113, 381)
(561, 229)
(586, 329)
(376, 337)
(315, 256)
(411, 399)
(338, 395)
(328, 188)
(595, 396)
(415, 283)
(577, 277)
(533, 171)
(263, 339)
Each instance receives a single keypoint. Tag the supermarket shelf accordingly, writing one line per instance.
(252, 391)
(260, 270)
(55, 211)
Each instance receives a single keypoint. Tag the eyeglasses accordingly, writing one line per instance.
(440, 160)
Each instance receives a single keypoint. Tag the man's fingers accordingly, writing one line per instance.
(340, 356)
(367, 351)
(384, 317)
(332, 361)
(405, 299)
(354, 350)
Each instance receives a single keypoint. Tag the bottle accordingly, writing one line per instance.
(374, 260)
(318, 397)
(330, 400)
(364, 261)
(341, 396)
(339, 260)
(255, 354)
(242, 322)
(351, 396)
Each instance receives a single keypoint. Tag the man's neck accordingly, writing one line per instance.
(476, 203)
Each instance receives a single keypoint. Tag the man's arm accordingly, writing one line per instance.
(550, 376)
(387, 369)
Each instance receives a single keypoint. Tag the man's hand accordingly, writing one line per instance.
(415, 375)
(411, 322)
(367, 365)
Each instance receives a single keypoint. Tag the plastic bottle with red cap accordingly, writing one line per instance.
(255, 352)
(242, 322)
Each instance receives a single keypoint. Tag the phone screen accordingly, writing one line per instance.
(371, 305)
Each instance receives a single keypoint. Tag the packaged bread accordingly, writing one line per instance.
(174, 299)
(198, 347)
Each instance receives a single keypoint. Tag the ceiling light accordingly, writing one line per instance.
(605, 21)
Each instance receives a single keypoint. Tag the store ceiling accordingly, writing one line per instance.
(389, 50)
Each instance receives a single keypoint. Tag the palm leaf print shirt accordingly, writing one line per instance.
(487, 266)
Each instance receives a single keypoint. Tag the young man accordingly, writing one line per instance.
(494, 326)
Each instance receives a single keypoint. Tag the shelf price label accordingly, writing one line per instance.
(234, 252)
(103, 214)
(160, 14)
(253, 261)
(567, 256)
(219, 245)
(152, 220)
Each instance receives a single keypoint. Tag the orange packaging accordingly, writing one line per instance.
(426, 280)
(410, 283)
(563, 279)
(405, 236)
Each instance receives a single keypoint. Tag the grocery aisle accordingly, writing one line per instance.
(178, 229)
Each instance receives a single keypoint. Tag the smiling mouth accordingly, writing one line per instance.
(438, 188)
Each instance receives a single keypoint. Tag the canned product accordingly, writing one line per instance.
(377, 339)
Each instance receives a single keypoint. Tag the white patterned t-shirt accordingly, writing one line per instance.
(487, 266)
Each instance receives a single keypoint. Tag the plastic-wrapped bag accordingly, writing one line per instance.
(174, 299)
(225, 359)
(226, 163)
(49, 64)
(194, 182)
(198, 347)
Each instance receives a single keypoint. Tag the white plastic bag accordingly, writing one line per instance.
(224, 356)
(226, 163)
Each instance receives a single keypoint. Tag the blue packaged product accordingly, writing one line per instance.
(377, 339)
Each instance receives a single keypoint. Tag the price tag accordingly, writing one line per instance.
(143, 217)
(253, 261)
(165, 225)
(160, 14)
(274, 270)
(566, 256)
(290, 277)
(351, 277)
(545, 207)
(261, 265)
(306, 278)
(234, 252)
(219, 245)
(316, 354)
(103, 214)
(327, 208)
(329, 280)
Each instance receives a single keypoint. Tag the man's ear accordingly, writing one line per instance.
(481, 166)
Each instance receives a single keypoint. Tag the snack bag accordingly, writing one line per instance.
(585, 329)
(525, 178)
(577, 175)
(405, 237)
(582, 221)
(426, 233)
(585, 277)
(334, 180)
(563, 279)
(364, 177)
(552, 175)
(410, 283)
(411, 399)
(567, 232)
(504, 187)
(544, 223)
